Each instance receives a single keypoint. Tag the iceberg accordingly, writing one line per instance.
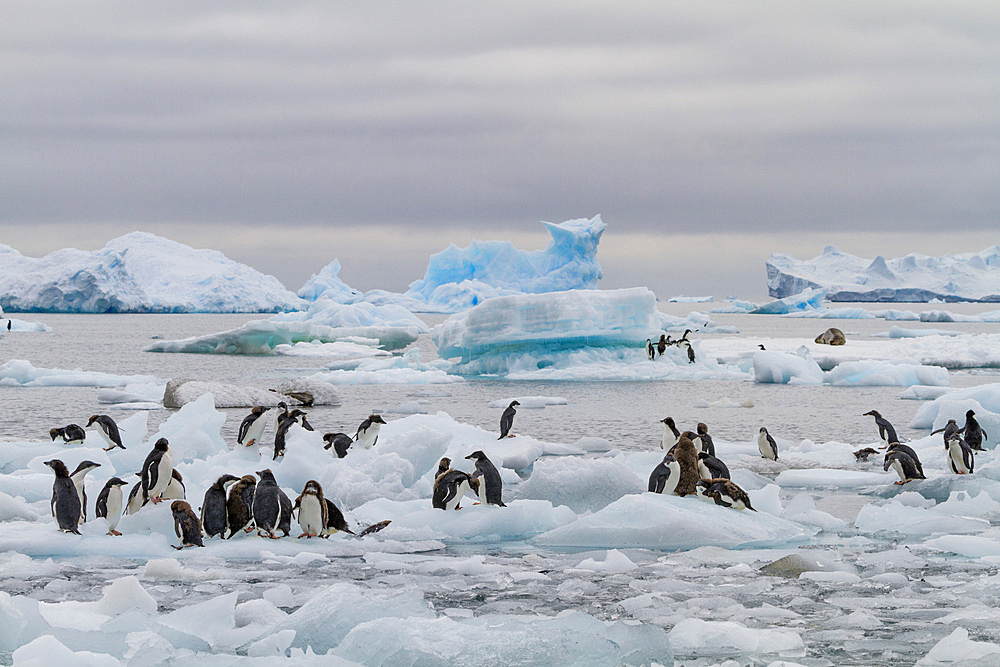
(809, 300)
(913, 278)
(137, 273)
(327, 283)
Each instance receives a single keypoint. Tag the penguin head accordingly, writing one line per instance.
(162, 445)
(295, 413)
(116, 481)
(376, 419)
(259, 409)
(227, 480)
(872, 413)
(889, 458)
(514, 404)
(54, 432)
(265, 474)
(248, 480)
(93, 419)
(476, 456)
(179, 508)
(969, 414)
(86, 466)
(668, 459)
(702, 428)
(669, 421)
(283, 405)
(58, 467)
(444, 464)
(761, 346)
(690, 435)
(763, 430)
(312, 487)
(703, 455)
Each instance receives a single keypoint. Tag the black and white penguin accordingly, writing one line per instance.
(213, 507)
(682, 339)
(280, 413)
(157, 471)
(686, 454)
(661, 345)
(175, 488)
(950, 430)
(766, 444)
(72, 434)
(280, 435)
(726, 493)
(109, 503)
(690, 352)
(300, 418)
(367, 434)
(78, 476)
(252, 427)
(960, 456)
(335, 522)
(706, 440)
(710, 467)
(450, 487)
(507, 420)
(650, 350)
(65, 499)
(108, 430)
(974, 433)
(312, 510)
(239, 505)
(136, 501)
(670, 434)
(903, 465)
(906, 449)
(186, 525)
(271, 507)
(885, 429)
(665, 475)
(338, 442)
(491, 486)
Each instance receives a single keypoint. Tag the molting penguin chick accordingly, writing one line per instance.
(72, 434)
(312, 510)
(710, 467)
(974, 433)
(665, 475)
(686, 455)
(367, 434)
(903, 465)
(108, 430)
(507, 420)
(766, 444)
(491, 486)
(706, 440)
(661, 345)
(186, 525)
(271, 507)
(885, 429)
(109, 503)
(670, 434)
(157, 471)
(239, 505)
(252, 426)
(339, 442)
(950, 430)
(726, 493)
(450, 487)
(335, 522)
(65, 499)
(78, 476)
(213, 507)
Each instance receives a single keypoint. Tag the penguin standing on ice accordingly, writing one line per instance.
(312, 510)
(650, 350)
(686, 455)
(186, 525)
(78, 476)
(710, 467)
(272, 510)
(65, 499)
(213, 507)
(491, 486)
(906, 449)
(766, 444)
(706, 440)
(960, 456)
(108, 430)
(661, 345)
(339, 442)
(690, 352)
(507, 420)
(670, 434)
(950, 430)
(367, 434)
(135, 499)
(280, 435)
(280, 413)
(157, 471)
(239, 505)
(726, 493)
(974, 433)
(885, 429)
(903, 465)
(665, 475)
(72, 434)
(109, 503)
(252, 426)
(299, 417)
(450, 487)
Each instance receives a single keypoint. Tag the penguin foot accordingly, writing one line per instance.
(249, 443)
(899, 483)
(175, 547)
(476, 503)
(156, 500)
(113, 532)
(511, 435)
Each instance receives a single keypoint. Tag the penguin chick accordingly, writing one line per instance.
(974, 433)
(186, 525)
(863, 454)
(312, 510)
(726, 493)
(239, 512)
(706, 440)
(686, 455)
(335, 521)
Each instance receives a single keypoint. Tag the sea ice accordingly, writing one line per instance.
(810, 299)
(958, 649)
(779, 368)
(22, 372)
(693, 635)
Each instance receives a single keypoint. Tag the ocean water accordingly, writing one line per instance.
(868, 619)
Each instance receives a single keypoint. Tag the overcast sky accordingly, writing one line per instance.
(706, 134)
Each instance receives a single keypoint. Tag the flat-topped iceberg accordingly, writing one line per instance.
(915, 278)
(137, 273)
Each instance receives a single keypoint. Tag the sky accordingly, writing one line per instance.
(707, 135)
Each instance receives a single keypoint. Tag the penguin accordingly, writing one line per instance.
(906, 449)
(9, 322)
(443, 466)
(974, 433)
(661, 345)
(650, 351)
(367, 434)
(239, 505)
(863, 454)
(65, 502)
(175, 487)
(272, 510)
(903, 464)
(335, 522)
(670, 434)
(761, 346)
(279, 436)
(686, 455)
(108, 430)
(252, 426)
(213, 507)
(885, 429)
(690, 351)
(72, 434)
(491, 486)
(950, 429)
(157, 471)
(78, 476)
(766, 444)
(312, 510)
(338, 442)
(726, 493)
(109, 503)
(665, 475)
(300, 418)
(507, 420)
(280, 413)
(449, 488)
(710, 467)
(135, 499)
(960, 456)
(706, 440)
(186, 525)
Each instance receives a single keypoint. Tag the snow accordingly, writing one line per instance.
(913, 278)
(327, 284)
(137, 273)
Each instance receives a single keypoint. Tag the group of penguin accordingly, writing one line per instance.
(659, 347)
(252, 429)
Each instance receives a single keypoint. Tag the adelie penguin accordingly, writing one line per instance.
(507, 420)
(157, 471)
(670, 434)
(175, 488)
(650, 350)
(280, 435)
(367, 434)
(903, 465)
(665, 475)
(186, 525)
(974, 433)
(78, 476)
(710, 467)
(726, 493)
(706, 440)
(213, 507)
(451, 485)
(239, 505)
(272, 510)
(339, 442)
(491, 486)
(65, 499)
(300, 418)
(863, 454)
(766, 444)
(690, 352)
(906, 449)
(72, 434)
(109, 503)
(252, 426)
(885, 430)
(108, 430)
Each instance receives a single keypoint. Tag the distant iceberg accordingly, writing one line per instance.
(137, 273)
(327, 283)
(916, 278)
